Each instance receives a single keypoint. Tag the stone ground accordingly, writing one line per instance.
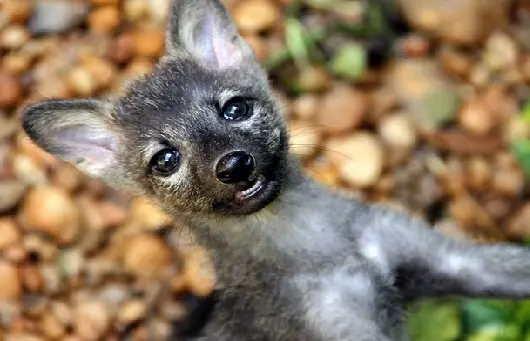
(422, 111)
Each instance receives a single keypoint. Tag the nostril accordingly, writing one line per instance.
(234, 167)
(224, 176)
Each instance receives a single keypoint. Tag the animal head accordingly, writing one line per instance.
(201, 133)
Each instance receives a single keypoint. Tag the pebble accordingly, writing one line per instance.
(113, 214)
(13, 37)
(51, 211)
(52, 327)
(304, 139)
(71, 262)
(105, 2)
(16, 63)
(37, 244)
(32, 279)
(198, 272)
(10, 90)
(508, 181)
(314, 79)
(138, 67)
(55, 88)
(104, 19)
(18, 11)
(383, 100)
(82, 81)
(92, 320)
(501, 51)
(343, 109)
(24, 145)
(415, 46)
(147, 256)
(131, 312)
(9, 233)
(463, 211)
(516, 128)
(22, 337)
(397, 131)
(8, 128)
(519, 224)
(479, 75)
(28, 170)
(12, 192)
(102, 71)
(255, 15)
(425, 91)
(461, 22)
(359, 158)
(149, 44)
(135, 10)
(67, 177)
(525, 68)
(479, 173)
(148, 215)
(306, 106)
(258, 45)
(476, 117)
(158, 10)
(57, 16)
(455, 62)
(122, 48)
(10, 286)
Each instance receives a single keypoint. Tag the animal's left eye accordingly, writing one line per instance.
(236, 109)
(165, 162)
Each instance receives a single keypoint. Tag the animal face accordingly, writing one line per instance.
(202, 133)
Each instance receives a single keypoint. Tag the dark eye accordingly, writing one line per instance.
(235, 109)
(165, 161)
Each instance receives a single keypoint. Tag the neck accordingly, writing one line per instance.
(296, 222)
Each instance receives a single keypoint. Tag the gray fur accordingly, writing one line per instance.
(311, 264)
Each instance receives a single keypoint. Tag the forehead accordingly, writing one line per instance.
(179, 85)
(180, 96)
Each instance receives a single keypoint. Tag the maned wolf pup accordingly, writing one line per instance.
(296, 262)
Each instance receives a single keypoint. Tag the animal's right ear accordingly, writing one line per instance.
(81, 131)
(205, 29)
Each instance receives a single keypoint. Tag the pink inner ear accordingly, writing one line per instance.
(227, 53)
(94, 145)
(218, 45)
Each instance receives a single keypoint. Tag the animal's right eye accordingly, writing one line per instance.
(165, 162)
(236, 109)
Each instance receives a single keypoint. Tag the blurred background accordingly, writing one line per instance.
(416, 104)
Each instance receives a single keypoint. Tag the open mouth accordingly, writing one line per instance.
(253, 188)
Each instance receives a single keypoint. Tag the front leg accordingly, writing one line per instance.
(427, 264)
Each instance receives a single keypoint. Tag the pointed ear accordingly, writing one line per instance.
(204, 29)
(81, 132)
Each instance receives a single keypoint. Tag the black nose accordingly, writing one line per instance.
(234, 167)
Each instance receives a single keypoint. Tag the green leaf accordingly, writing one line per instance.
(296, 41)
(527, 336)
(321, 4)
(522, 315)
(441, 105)
(480, 314)
(435, 321)
(349, 61)
(507, 332)
(526, 111)
(521, 151)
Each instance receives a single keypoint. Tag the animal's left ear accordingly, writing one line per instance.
(81, 131)
(205, 29)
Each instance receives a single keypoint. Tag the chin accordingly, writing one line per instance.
(255, 196)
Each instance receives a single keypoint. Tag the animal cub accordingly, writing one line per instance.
(203, 136)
